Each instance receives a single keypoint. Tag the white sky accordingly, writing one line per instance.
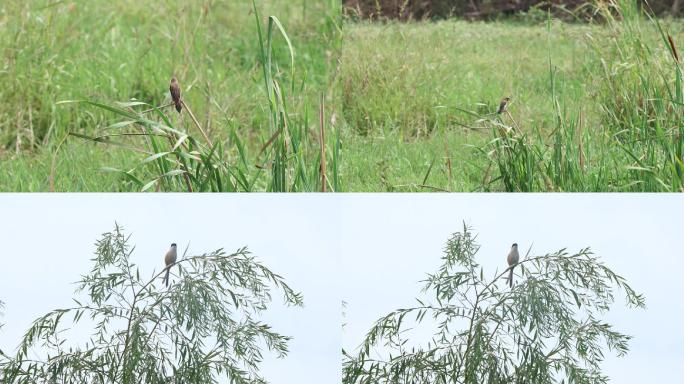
(48, 243)
(397, 239)
(368, 249)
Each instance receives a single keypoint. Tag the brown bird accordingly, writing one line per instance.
(175, 94)
(503, 105)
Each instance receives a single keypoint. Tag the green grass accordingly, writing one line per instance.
(401, 97)
(402, 86)
(398, 75)
(596, 106)
(109, 52)
(78, 168)
(408, 106)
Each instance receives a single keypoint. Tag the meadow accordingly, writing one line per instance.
(81, 81)
(594, 106)
(307, 101)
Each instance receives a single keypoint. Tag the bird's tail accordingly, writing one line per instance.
(166, 277)
(510, 278)
(178, 106)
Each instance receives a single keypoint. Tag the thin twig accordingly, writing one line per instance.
(194, 120)
(511, 116)
(581, 143)
(269, 142)
(159, 107)
(321, 117)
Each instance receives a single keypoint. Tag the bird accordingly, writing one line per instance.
(503, 105)
(169, 259)
(174, 88)
(512, 259)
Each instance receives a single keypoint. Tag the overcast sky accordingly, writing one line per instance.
(368, 249)
(48, 243)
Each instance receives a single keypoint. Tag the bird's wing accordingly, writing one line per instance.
(175, 92)
(510, 259)
(168, 258)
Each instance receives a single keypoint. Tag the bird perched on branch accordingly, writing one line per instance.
(513, 258)
(175, 94)
(503, 105)
(169, 260)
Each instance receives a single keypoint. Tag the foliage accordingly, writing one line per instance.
(408, 105)
(104, 52)
(181, 162)
(594, 108)
(639, 146)
(203, 327)
(546, 329)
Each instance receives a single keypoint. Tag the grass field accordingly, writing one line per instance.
(404, 82)
(117, 51)
(407, 106)
(594, 107)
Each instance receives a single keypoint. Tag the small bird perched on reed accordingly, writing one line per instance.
(512, 259)
(175, 93)
(169, 260)
(503, 105)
